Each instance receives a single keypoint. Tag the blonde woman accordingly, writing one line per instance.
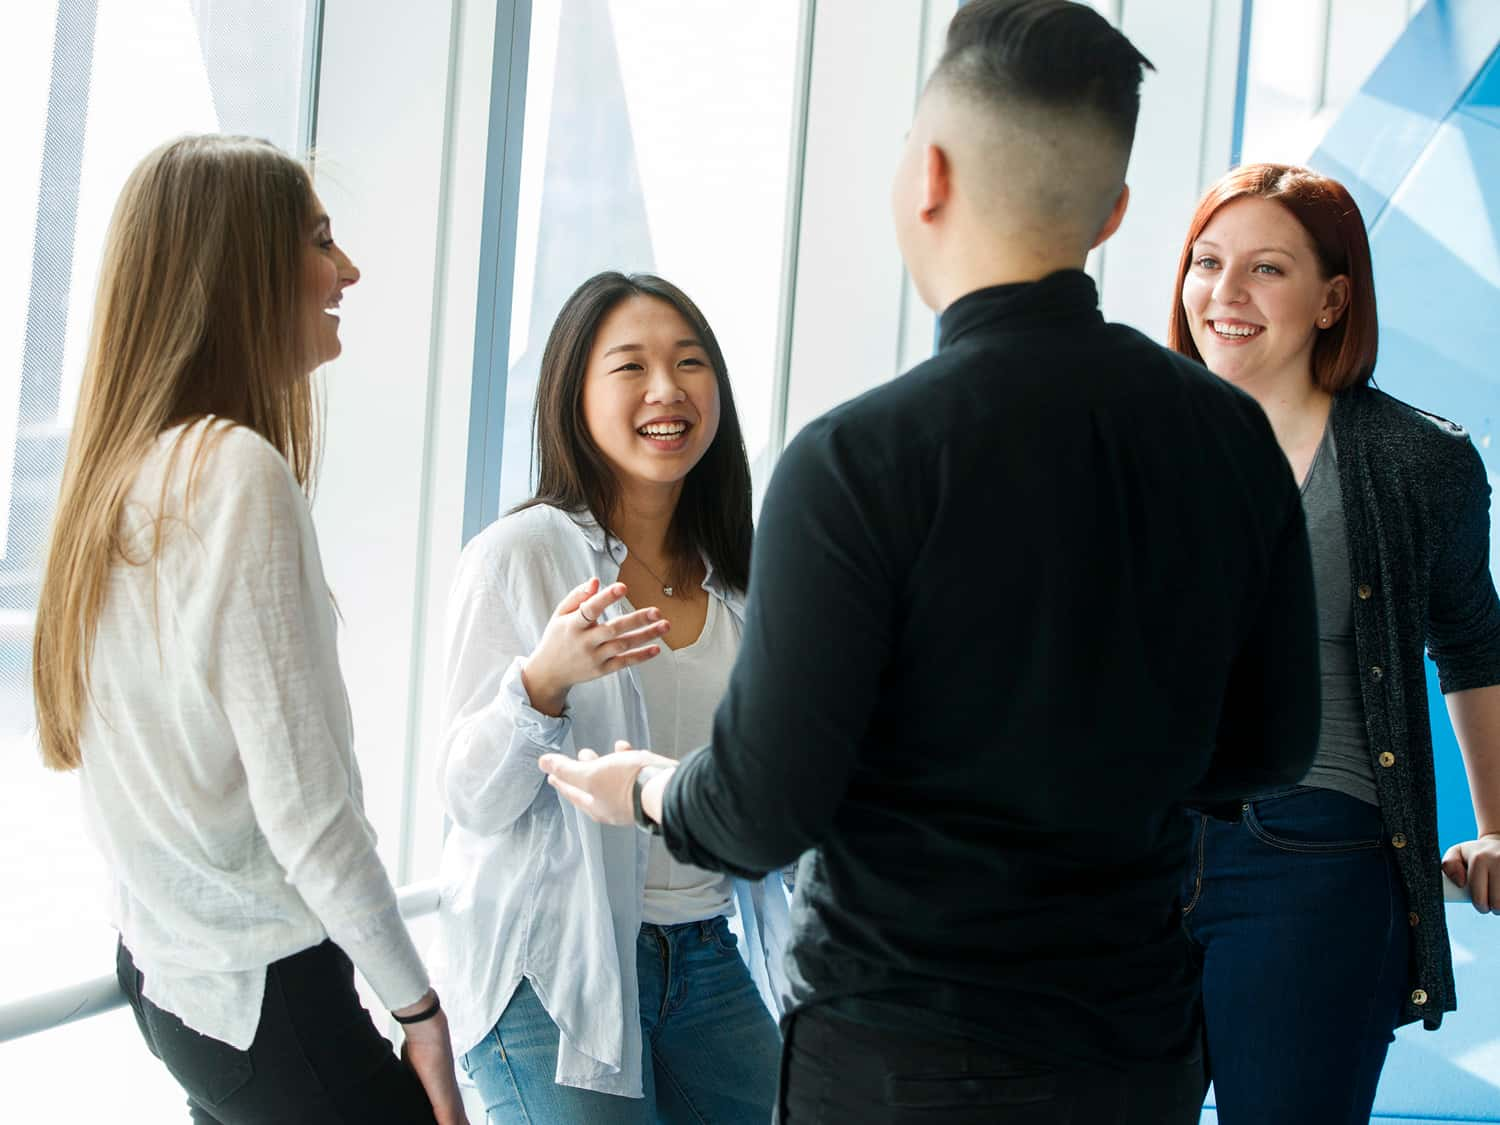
(185, 660)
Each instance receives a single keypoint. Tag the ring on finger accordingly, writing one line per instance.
(587, 619)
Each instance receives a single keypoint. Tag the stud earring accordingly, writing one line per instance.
(1322, 322)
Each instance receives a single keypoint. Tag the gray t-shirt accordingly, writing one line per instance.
(1342, 762)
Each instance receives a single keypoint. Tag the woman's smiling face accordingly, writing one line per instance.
(1255, 294)
(650, 394)
(326, 273)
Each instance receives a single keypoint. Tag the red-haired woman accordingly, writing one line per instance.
(1319, 910)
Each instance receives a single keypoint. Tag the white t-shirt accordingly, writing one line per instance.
(682, 689)
(218, 771)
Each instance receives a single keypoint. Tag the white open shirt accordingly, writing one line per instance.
(218, 770)
(532, 887)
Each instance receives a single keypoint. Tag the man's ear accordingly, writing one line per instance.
(1116, 217)
(937, 181)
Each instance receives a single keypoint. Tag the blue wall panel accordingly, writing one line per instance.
(1389, 123)
(1437, 269)
(1420, 148)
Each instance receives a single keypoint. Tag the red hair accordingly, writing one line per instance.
(1343, 355)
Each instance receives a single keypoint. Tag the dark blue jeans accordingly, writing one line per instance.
(1301, 921)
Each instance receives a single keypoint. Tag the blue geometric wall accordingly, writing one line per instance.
(1420, 149)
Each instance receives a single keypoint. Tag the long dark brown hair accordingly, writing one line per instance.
(713, 512)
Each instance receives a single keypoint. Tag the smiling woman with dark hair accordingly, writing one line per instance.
(596, 978)
(1318, 908)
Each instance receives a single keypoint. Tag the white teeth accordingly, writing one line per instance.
(1236, 331)
(664, 429)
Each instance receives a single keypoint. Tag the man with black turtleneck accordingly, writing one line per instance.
(1007, 614)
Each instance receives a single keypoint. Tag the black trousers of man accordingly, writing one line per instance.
(835, 1070)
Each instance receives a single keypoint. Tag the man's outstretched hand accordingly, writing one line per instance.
(600, 786)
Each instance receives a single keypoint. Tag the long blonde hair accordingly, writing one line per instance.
(199, 312)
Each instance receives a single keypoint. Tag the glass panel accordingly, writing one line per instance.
(657, 139)
(90, 86)
(1306, 61)
(87, 1073)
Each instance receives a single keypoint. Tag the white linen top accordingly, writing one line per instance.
(682, 689)
(532, 887)
(218, 771)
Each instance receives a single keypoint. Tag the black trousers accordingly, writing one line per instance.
(316, 1056)
(835, 1070)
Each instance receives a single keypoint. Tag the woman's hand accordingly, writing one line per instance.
(429, 1052)
(601, 786)
(1475, 865)
(577, 646)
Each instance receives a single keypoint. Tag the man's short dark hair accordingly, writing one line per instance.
(1049, 54)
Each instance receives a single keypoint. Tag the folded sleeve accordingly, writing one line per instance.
(1463, 627)
(492, 736)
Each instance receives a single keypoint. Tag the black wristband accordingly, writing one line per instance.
(425, 1014)
(642, 821)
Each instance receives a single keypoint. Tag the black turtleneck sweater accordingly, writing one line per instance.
(1007, 614)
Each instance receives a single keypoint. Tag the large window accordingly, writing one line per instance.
(89, 86)
(657, 139)
(1307, 58)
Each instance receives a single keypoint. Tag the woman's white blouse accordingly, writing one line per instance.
(218, 769)
(531, 887)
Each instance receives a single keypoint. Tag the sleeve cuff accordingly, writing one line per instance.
(382, 950)
(547, 731)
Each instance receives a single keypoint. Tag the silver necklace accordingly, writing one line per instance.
(665, 589)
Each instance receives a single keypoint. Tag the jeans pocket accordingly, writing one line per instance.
(1315, 822)
(951, 1091)
(209, 1070)
(723, 938)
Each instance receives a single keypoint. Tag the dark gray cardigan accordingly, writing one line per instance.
(1416, 501)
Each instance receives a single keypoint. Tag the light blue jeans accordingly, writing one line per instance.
(710, 1049)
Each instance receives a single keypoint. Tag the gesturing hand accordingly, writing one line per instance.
(1475, 865)
(578, 646)
(601, 786)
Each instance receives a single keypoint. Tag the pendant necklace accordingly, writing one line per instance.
(665, 589)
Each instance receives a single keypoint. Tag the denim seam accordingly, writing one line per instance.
(664, 943)
(1304, 847)
(718, 942)
(1390, 926)
(510, 1076)
(665, 1071)
(1201, 849)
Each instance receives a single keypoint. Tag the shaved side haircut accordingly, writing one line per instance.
(1048, 93)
